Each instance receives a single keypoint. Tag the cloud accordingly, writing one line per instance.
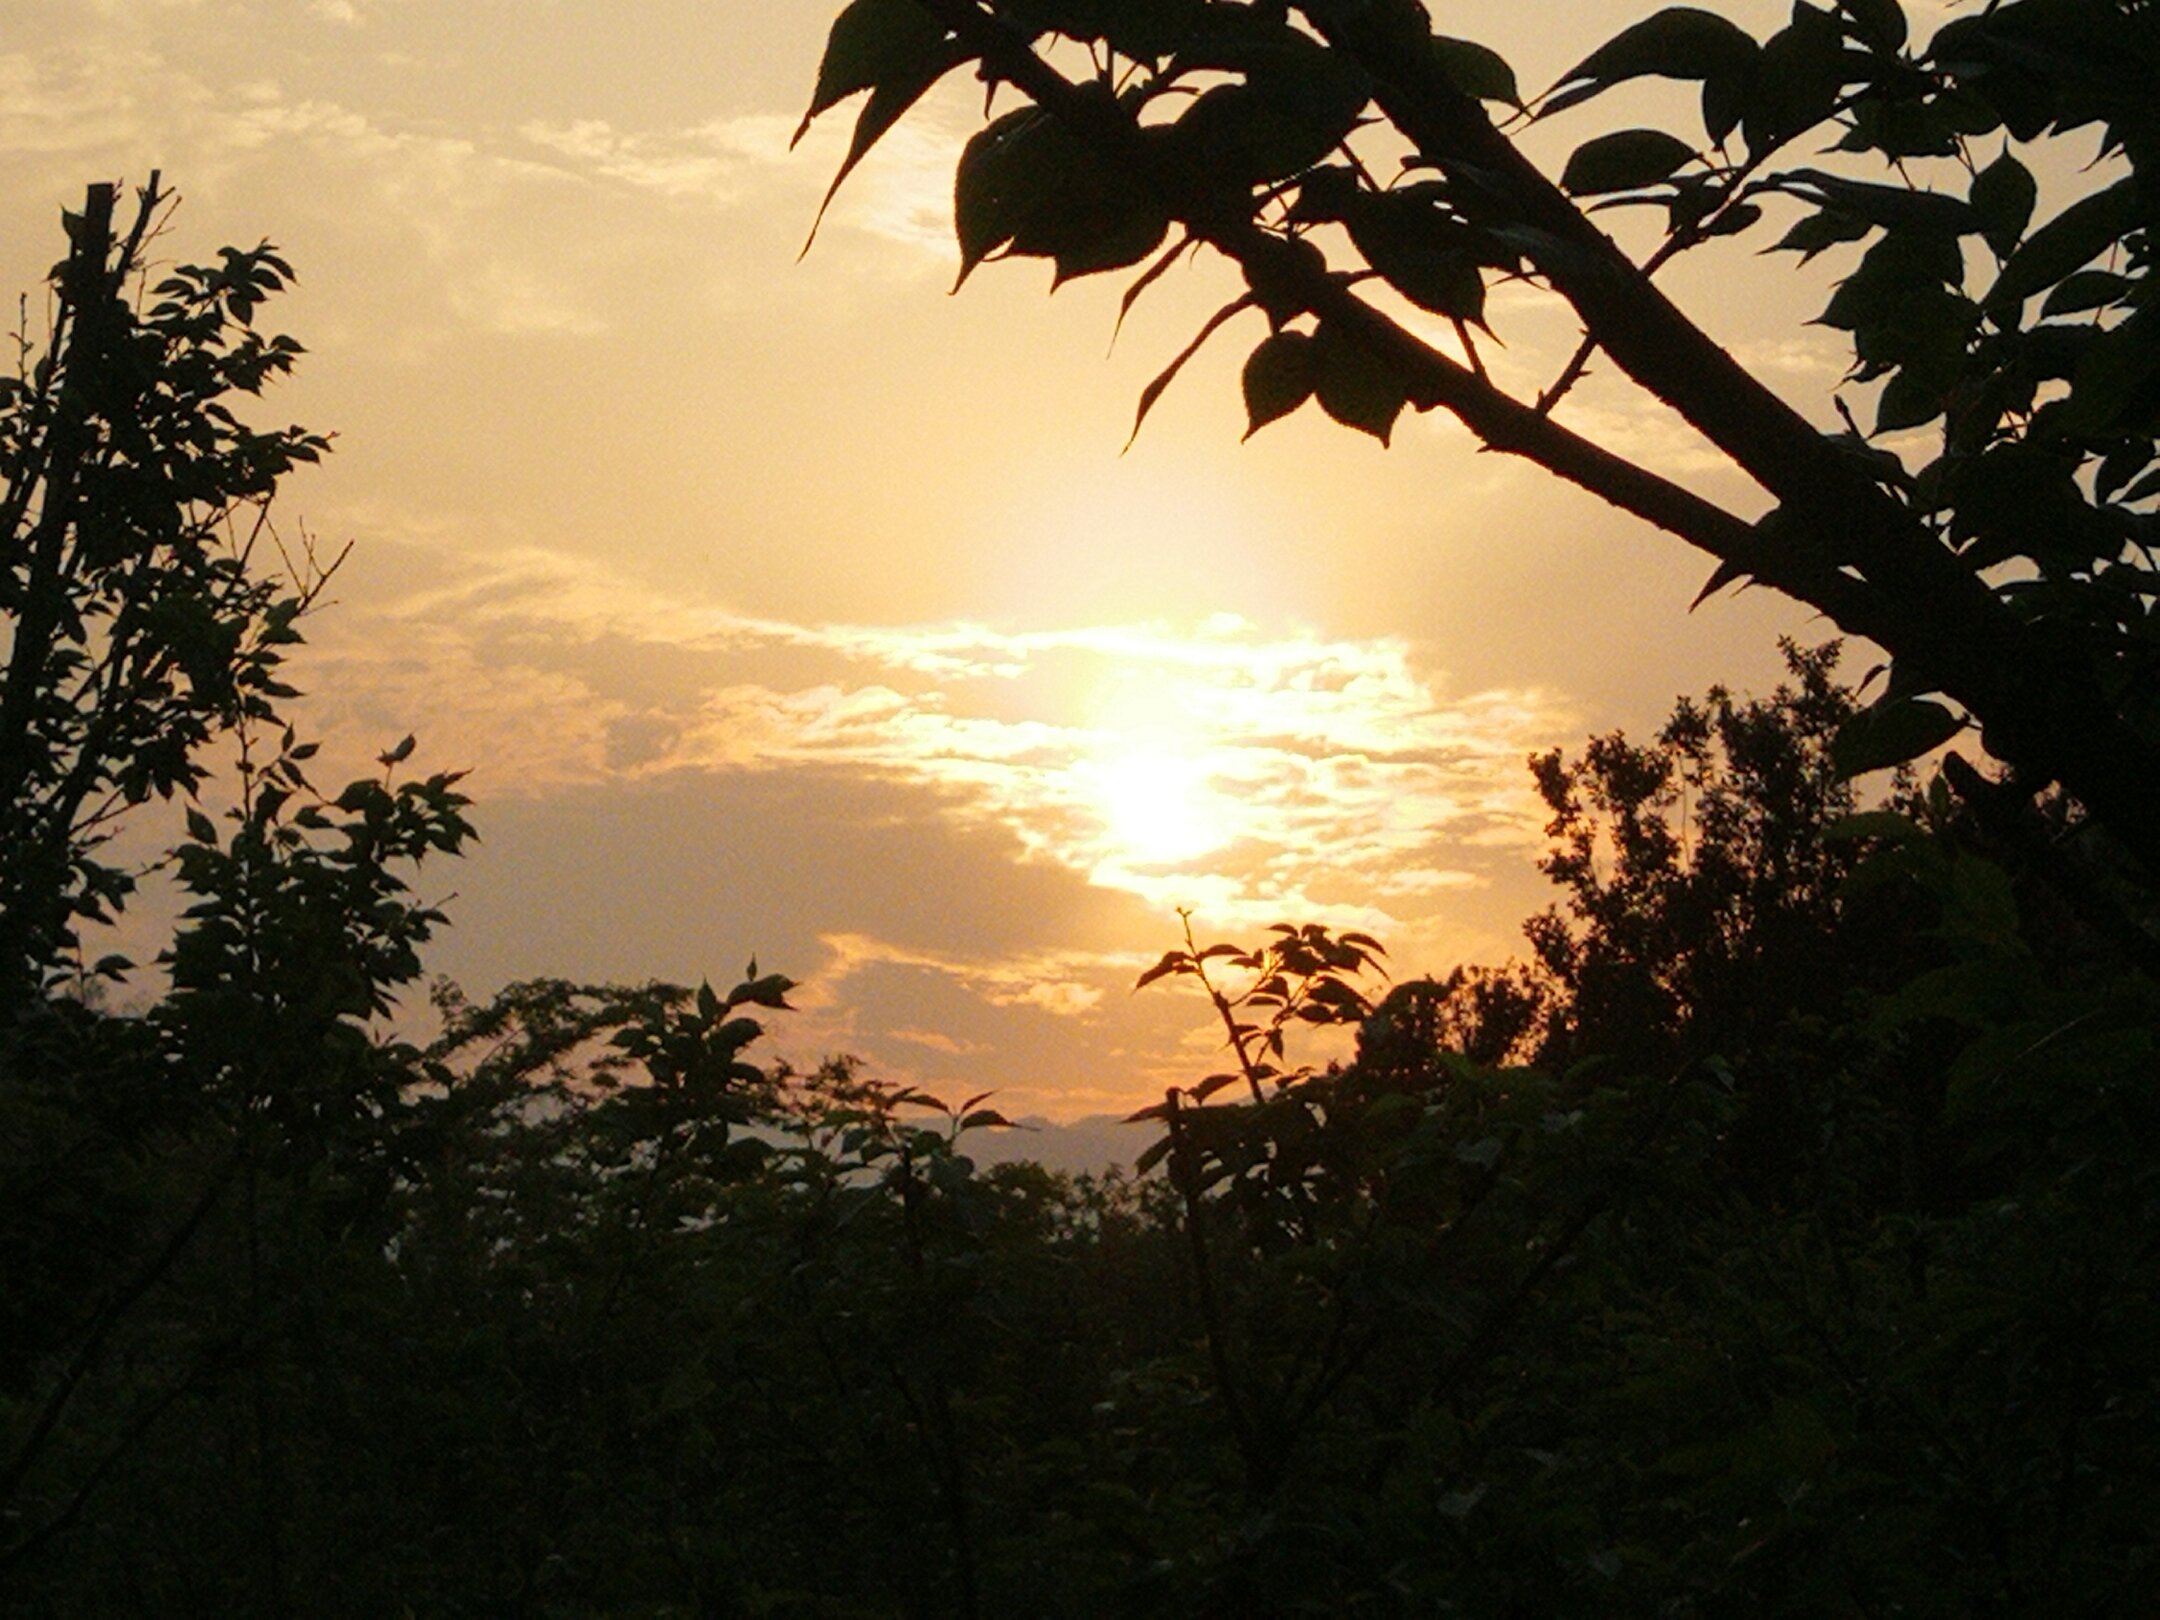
(902, 192)
(1274, 739)
(1246, 773)
(709, 160)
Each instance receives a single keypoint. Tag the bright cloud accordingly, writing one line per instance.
(1250, 774)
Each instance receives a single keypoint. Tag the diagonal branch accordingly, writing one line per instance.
(2038, 696)
(1283, 277)
(1851, 549)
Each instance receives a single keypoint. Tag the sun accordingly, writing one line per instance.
(1153, 776)
(1157, 804)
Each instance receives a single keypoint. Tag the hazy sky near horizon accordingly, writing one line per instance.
(799, 609)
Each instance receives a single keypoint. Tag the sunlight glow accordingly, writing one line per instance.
(1152, 778)
(1156, 805)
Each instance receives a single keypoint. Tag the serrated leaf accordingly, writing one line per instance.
(1279, 376)
(871, 42)
(1355, 386)
(1625, 160)
(887, 105)
(1154, 390)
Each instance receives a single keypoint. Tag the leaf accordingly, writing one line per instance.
(1172, 962)
(1880, 23)
(1625, 160)
(1279, 376)
(1893, 207)
(1794, 83)
(1212, 1084)
(398, 755)
(1825, 228)
(2083, 290)
(872, 42)
(1027, 185)
(2003, 195)
(1154, 390)
(1891, 732)
(1724, 104)
(1355, 386)
(1484, 1152)
(200, 827)
(1726, 573)
(2111, 388)
(1476, 70)
(1908, 400)
(2069, 241)
(1146, 279)
(887, 105)
(1680, 42)
(1156, 1151)
(1422, 253)
(1297, 102)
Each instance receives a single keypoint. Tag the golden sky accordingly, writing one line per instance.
(799, 609)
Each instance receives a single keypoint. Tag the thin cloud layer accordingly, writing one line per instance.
(1246, 774)
(1218, 764)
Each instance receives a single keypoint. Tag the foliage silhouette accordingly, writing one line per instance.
(2011, 574)
(1779, 1238)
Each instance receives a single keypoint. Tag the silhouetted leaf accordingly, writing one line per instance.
(1880, 23)
(1794, 83)
(1625, 160)
(2069, 241)
(1825, 228)
(1355, 386)
(888, 104)
(1892, 732)
(1172, 962)
(2083, 290)
(1154, 390)
(1892, 207)
(1476, 70)
(1680, 42)
(2003, 195)
(872, 42)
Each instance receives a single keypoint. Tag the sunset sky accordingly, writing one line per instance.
(799, 609)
